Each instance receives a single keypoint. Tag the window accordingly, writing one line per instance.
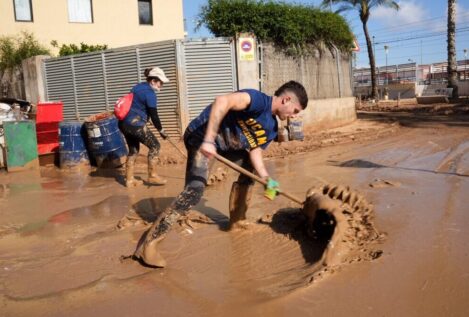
(23, 10)
(80, 11)
(145, 15)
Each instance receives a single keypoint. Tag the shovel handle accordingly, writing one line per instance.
(253, 176)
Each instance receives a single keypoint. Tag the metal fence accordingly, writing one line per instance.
(91, 83)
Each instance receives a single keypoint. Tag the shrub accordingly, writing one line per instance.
(14, 49)
(71, 49)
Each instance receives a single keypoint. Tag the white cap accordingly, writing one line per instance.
(158, 72)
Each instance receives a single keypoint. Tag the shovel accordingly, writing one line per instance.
(254, 177)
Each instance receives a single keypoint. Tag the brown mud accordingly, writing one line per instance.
(61, 247)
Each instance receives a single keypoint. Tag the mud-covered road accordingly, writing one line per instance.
(60, 250)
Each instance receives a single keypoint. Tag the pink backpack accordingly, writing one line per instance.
(122, 106)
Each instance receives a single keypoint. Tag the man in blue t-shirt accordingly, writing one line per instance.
(239, 126)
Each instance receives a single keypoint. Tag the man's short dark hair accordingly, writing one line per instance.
(296, 88)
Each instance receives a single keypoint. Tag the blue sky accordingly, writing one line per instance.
(416, 32)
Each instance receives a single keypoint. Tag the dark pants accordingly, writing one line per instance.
(134, 135)
(197, 170)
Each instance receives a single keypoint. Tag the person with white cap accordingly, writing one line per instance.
(133, 126)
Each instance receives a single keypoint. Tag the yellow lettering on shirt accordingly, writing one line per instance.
(261, 141)
(254, 128)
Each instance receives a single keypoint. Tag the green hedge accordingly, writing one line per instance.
(290, 26)
(72, 49)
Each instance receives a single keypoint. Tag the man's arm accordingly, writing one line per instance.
(236, 101)
(271, 187)
(257, 162)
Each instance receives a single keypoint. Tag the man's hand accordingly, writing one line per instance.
(271, 189)
(163, 134)
(208, 149)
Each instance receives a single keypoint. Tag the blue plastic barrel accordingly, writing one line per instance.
(72, 144)
(106, 144)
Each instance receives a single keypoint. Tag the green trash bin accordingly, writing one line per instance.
(21, 145)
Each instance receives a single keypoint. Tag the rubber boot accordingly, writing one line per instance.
(153, 177)
(239, 201)
(147, 249)
(130, 181)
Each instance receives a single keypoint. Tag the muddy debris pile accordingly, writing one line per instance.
(352, 216)
(336, 221)
(217, 175)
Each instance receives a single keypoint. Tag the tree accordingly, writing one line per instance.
(364, 7)
(292, 27)
(452, 65)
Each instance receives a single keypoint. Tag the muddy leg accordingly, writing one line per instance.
(239, 202)
(130, 180)
(147, 249)
(153, 177)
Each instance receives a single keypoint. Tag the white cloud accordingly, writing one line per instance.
(412, 12)
(409, 12)
(462, 14)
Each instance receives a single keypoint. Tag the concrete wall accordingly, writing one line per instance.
(326, 79)
(33, 75)
(323, 75)
(115, 22)
(395, 91)
(329, 113)
(12, 84)
(247, 61)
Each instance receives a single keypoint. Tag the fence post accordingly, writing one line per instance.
(75, 97)
(182, 108)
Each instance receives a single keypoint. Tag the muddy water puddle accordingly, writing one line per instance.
(66, 261)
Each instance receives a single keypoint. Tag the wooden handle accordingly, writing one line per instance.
(253, 176)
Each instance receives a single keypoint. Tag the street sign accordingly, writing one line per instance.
(356, 47)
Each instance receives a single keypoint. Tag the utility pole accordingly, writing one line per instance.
(420, 52)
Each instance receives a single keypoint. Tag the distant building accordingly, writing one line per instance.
(403, 79)
(410, 73)
(116, 23)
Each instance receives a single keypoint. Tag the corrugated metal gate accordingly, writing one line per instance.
(209, 68)
(91, 83)
(198, 71)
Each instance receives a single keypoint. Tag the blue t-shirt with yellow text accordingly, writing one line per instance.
(246, 129)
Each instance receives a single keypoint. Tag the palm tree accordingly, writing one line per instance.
(452, 73)
(364, 7)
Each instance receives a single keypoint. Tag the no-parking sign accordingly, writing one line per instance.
(246, 49)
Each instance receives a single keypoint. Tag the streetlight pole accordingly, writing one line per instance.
(465, 72)
(412, 61)
(465, 64)
(386, 50)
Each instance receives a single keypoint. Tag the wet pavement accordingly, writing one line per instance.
(61, 251)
